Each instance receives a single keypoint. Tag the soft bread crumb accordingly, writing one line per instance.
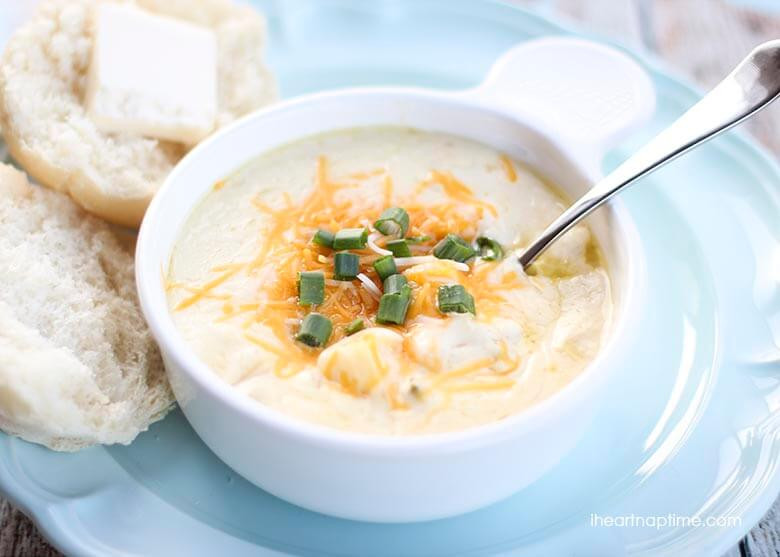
(78, 365)
(42, 82)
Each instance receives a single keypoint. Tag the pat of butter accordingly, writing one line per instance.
(152, 75)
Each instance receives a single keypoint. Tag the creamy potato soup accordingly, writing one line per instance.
(364, 280)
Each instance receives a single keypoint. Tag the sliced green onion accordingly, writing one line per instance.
(489, 249)
(311, 288)
(394, 283)
(324, 238)
(418, 239)
(454, 298)
(393, 221)
(315, 330)
(346, 266)
(393, 307)
(455, 248)
(357, 325)
(350, 238)
(385, 266)
(399, 248)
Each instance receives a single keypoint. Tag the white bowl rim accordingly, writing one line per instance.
(174, 346)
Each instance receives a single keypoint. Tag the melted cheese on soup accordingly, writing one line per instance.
(232, 285)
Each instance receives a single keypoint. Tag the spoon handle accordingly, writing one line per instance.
(753, 85)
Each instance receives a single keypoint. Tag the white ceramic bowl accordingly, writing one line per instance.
(556, 104)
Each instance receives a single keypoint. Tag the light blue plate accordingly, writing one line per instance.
(691, 429)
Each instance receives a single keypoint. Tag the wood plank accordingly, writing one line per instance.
(19, 537)
(764, 539)
(618, 20)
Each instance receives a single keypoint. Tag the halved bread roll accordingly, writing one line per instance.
(78, 365)
(42, 81)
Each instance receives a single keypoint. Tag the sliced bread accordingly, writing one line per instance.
(42, 80)
(78, 365)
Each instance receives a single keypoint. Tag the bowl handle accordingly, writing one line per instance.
(584, 94)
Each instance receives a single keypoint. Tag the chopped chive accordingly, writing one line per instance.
(393, 307)
(394, 283)
(346, 266)
(489, 249)
(315, 330)
(455, 248)
(418, 239)
(357, 325)
(454, 298)
(399, 248)
(350, 238)
(393, 221)
(385, 266)
(324, 238)
(311, 288)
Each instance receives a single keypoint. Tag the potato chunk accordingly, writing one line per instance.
(360, 362)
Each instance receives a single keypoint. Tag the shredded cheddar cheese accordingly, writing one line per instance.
(367, 174)
(509, 168)
(233, 290)
(393, 399)
(467, 369)
(205, 290)
(286, 247)
(480, 386)
(456, 190)
(387, 185)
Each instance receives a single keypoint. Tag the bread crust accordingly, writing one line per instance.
(128, 211)
(112, 176)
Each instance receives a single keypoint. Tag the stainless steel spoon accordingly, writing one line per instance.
(753, 85)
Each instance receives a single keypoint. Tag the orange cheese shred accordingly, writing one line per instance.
(480, 386)
(466, 369)
(204, 290)
(285, 245)
(509, 168)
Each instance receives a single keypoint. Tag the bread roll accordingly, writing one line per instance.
(78, 365)
(42, 81)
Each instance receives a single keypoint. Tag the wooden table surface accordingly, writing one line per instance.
(702, 39)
